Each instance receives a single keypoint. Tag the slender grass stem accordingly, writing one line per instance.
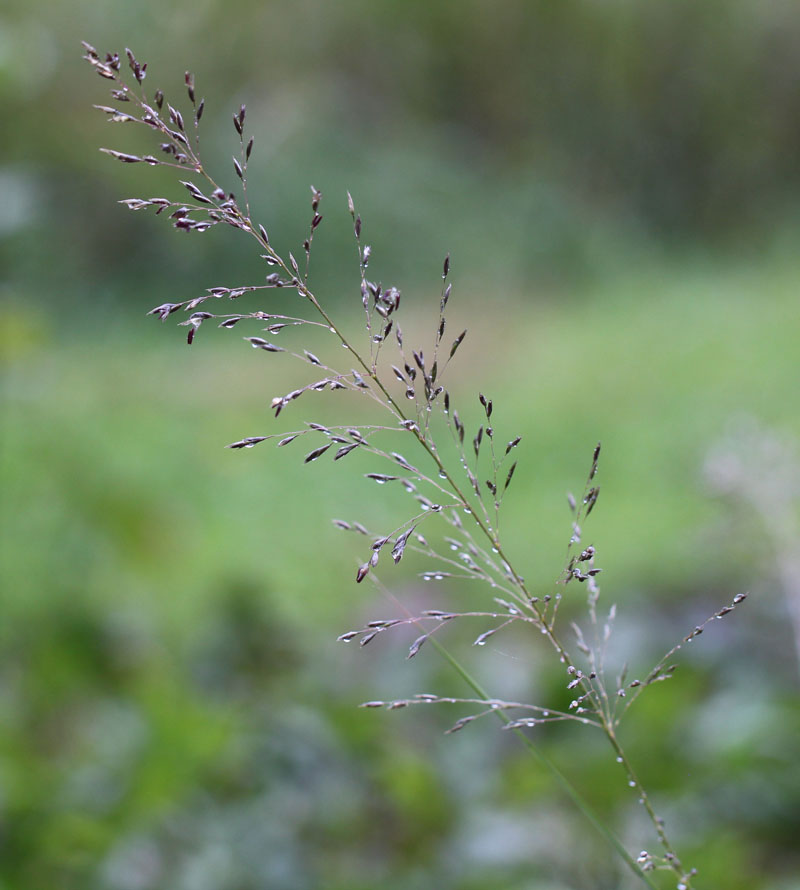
(563, 782)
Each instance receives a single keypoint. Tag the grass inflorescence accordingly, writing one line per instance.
(456, 475)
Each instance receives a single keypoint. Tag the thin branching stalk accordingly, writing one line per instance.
(471, 486)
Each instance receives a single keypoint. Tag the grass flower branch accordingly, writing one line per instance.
(456, 479)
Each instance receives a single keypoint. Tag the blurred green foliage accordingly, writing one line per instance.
(617, 184)
(543, 134)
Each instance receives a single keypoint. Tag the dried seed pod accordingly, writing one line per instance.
(476, 442)
(461, 723)
(344, 451)
(195, 192)
(416, 645)
(457, 342)
(176, 117)
(230, 322)
(247, 443)
(362, 572)
(510, 475)
(400, 544)
(260, 343)
(317, 452)
(136, 203)
(481, 640)
(121, 156)
(164, 310)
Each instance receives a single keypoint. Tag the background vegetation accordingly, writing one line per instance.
(618, 186)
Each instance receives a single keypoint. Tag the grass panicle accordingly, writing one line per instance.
(455, 476)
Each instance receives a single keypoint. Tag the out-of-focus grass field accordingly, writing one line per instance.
(174, 709)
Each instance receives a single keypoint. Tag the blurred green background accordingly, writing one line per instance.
(618, 186)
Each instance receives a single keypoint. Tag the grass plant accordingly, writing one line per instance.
(454, 472)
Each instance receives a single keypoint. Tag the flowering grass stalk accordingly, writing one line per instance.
(456, 479)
